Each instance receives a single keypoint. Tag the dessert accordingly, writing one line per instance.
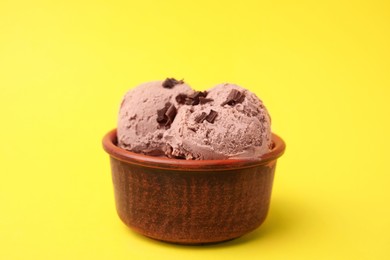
(168, 118)
(192, 167)
(138, 129)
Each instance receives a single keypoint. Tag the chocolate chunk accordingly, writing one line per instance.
(211, 116)
(166, 115)
(171, 113)
(161, 117)
(198, 97)
(241, 98)
(189, 101)
(194, 99)
(203, 100)
(200, 118)
(171, 82)
(181, 98)
(208, 117)
(198, 94)
(234, 97)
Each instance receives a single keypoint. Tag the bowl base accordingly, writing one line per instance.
(193, 243)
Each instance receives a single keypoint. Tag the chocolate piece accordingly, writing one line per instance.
(200, 118)
(211, 116)
(166, 115)
(234, 97)
(189, 101)
(242, 97)
(171, 82)
(181, 98)
(198, 97)
(194, 98)
(198, 94)
(161, 117)
(171, 113)
(203, 100)
(208, 117)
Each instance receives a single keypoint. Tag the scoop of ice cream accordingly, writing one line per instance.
(168, 118)
(145, 113)
(228, 122)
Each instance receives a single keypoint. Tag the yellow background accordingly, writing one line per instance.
(322, 69)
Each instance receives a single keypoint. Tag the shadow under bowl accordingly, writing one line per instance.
(191, 201)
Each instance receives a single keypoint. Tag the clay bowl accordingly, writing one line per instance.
(189, 201)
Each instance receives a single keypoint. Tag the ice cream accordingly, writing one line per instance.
(138, 129)
(170, 119)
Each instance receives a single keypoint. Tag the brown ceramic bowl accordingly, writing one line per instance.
(191, 201)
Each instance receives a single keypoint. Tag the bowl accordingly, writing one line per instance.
(191, 201)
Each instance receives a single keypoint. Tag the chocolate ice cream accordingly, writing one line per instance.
(142, 121)
(170, 119)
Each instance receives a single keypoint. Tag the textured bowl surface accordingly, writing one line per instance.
(191, 202)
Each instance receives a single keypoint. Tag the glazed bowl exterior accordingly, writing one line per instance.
(191, 201)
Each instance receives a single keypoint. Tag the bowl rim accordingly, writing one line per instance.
(110, 146)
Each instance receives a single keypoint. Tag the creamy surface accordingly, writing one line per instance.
(217, 127)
